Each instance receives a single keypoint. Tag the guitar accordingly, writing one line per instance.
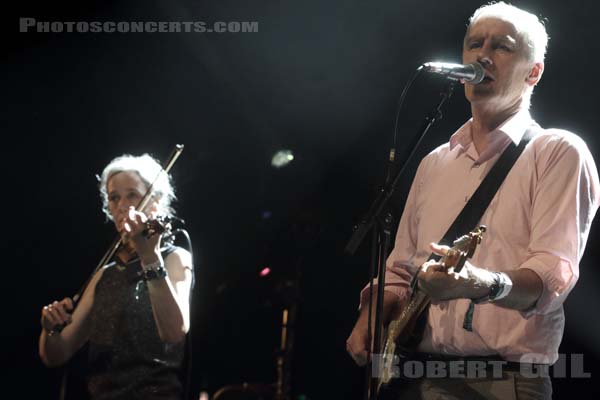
(400, 340)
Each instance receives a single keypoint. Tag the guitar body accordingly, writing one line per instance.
(403, 334)
(402, 339)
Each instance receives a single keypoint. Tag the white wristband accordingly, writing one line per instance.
(505, 286)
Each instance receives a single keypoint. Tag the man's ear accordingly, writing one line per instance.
(535, 74)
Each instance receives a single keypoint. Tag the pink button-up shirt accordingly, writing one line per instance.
(539, 219)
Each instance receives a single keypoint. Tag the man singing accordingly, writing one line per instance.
(507, 301)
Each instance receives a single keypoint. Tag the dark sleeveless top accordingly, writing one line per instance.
(127, 359)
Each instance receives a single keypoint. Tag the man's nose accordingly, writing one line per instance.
(483, 55)
(484, 60)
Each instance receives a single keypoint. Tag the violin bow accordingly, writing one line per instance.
(143, 203)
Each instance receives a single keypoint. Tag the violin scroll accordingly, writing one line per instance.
(157, 226)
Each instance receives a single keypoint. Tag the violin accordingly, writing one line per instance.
(156, 226)
(122, 251)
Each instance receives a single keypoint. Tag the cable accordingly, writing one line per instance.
(188, 342)
(392, 155)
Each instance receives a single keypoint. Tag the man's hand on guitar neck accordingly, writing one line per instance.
(441, 283)
(474, 283)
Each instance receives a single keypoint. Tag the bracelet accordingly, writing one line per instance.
(499, 289)
(505, 286)
(155, 270)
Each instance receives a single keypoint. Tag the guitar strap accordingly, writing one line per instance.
(471, 214)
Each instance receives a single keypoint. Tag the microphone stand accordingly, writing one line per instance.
(286, 348)
(379, 219)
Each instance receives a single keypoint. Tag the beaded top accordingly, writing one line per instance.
(127, 358)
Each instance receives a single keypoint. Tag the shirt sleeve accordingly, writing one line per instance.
(399, 266)
(565, 200)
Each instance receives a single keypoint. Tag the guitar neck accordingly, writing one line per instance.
(399, 329)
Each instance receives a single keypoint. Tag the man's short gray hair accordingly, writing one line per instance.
(528, 26)
(149, 171)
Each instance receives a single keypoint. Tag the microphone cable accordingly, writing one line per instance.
(188, 341)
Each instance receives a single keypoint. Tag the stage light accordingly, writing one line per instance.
(266, 214)
(282, 158)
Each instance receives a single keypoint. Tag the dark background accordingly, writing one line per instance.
(319, 78)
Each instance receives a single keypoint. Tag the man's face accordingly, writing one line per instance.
(495, 44)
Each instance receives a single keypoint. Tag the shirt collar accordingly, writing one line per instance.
(514, 128)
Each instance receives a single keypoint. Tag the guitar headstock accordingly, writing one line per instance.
(463, 248)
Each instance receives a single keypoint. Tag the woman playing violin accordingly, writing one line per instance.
(135, 311)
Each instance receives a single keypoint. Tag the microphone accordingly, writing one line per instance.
(471, 73)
